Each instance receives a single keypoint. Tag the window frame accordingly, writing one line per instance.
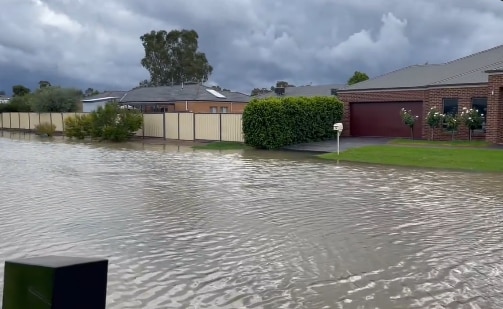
(484, 123)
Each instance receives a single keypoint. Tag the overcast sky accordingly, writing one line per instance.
(250, 43)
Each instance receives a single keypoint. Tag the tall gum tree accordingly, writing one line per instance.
(172, 58)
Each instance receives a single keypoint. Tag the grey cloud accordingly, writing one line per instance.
(250, 43)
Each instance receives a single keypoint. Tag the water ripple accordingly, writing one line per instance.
(195, 229)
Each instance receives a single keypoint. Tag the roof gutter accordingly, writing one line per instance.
(412, 88)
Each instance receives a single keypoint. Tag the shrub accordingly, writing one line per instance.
(472, 120)
(434, 120)
(17, 104)
(409, 120)
(78, 127)
(106, 123)
(452, 124)
(273, 123)
(55, 100)
(45, 128)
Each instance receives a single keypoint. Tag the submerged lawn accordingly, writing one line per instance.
(222, 146)
(409, 142)
(429, 157)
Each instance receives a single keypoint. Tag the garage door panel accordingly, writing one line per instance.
(383, 119)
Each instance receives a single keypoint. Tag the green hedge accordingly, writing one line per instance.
(273, 123)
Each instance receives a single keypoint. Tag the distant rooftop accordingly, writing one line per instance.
(469, 70)
(304, 91)
(187, 92)
(107, 95)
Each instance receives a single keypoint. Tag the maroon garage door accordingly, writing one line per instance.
(383, 119)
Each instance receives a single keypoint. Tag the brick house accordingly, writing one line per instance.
(372, 107)
(190, 98)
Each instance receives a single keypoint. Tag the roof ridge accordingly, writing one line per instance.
(388, 73)
(468, 72)
(475, 54)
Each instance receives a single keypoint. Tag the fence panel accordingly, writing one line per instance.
(154, 125)
(172, 125)
(6, 120)
(187, 126)
(45, 118)
(14, 120)
(232, 127)
(24, 119)
(34, 120)
(207, 127)
(1, 121)
(57, 120)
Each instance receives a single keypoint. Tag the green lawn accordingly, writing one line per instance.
(222, 146)
(409, 142)
(485, 160)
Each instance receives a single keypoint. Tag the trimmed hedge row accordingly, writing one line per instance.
(272, 123)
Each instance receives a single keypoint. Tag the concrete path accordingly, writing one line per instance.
(344, 143)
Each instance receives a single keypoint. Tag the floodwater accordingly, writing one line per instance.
(199, 229)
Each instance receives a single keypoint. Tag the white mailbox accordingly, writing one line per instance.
(338, 127)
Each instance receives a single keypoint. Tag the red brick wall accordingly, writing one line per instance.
(430, 97)
(205, 106)
(464, 96)
(495, 109)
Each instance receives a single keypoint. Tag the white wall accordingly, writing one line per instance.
(88, 107)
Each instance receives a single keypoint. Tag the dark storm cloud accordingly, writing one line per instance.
(250, 43)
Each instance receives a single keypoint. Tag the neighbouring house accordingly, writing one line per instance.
(302, 91)
(4, 99)
(372, 107)
(91, 103)
(192, 98)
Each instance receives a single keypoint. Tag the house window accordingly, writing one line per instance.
(450, 106)
(213, 109)
(480, 104)
(224, 109)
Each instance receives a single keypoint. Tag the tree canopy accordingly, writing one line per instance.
(20, 90)
(357, 77)
(172, 58)
(55, 99)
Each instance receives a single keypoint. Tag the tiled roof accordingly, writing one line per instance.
(189, 92)
(467, 70)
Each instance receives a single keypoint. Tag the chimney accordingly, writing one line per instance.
(279, 90)
(333, 91)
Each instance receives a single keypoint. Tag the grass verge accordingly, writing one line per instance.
(483, 160)
(222, 146)
(408, 142)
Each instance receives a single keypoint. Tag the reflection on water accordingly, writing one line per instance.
(198, 229)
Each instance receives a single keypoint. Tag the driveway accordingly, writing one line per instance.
(344, 143)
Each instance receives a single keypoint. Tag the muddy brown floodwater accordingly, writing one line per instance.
(248, 229)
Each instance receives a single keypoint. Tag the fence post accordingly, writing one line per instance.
(10, 120)
(62, 124)
(178, 125)
(220, 126)
(29, 121)
(143, 126)
(194, 126)
(19, 120)
(164, 125)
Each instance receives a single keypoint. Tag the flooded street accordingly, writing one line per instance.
(198, 229)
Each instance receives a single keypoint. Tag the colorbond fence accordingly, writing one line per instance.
(181, 126)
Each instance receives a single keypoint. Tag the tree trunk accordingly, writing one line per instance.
(470, 135)
(452, 132)
(412, 132)
(432, 130)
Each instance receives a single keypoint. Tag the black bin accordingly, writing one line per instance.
(55, 282)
